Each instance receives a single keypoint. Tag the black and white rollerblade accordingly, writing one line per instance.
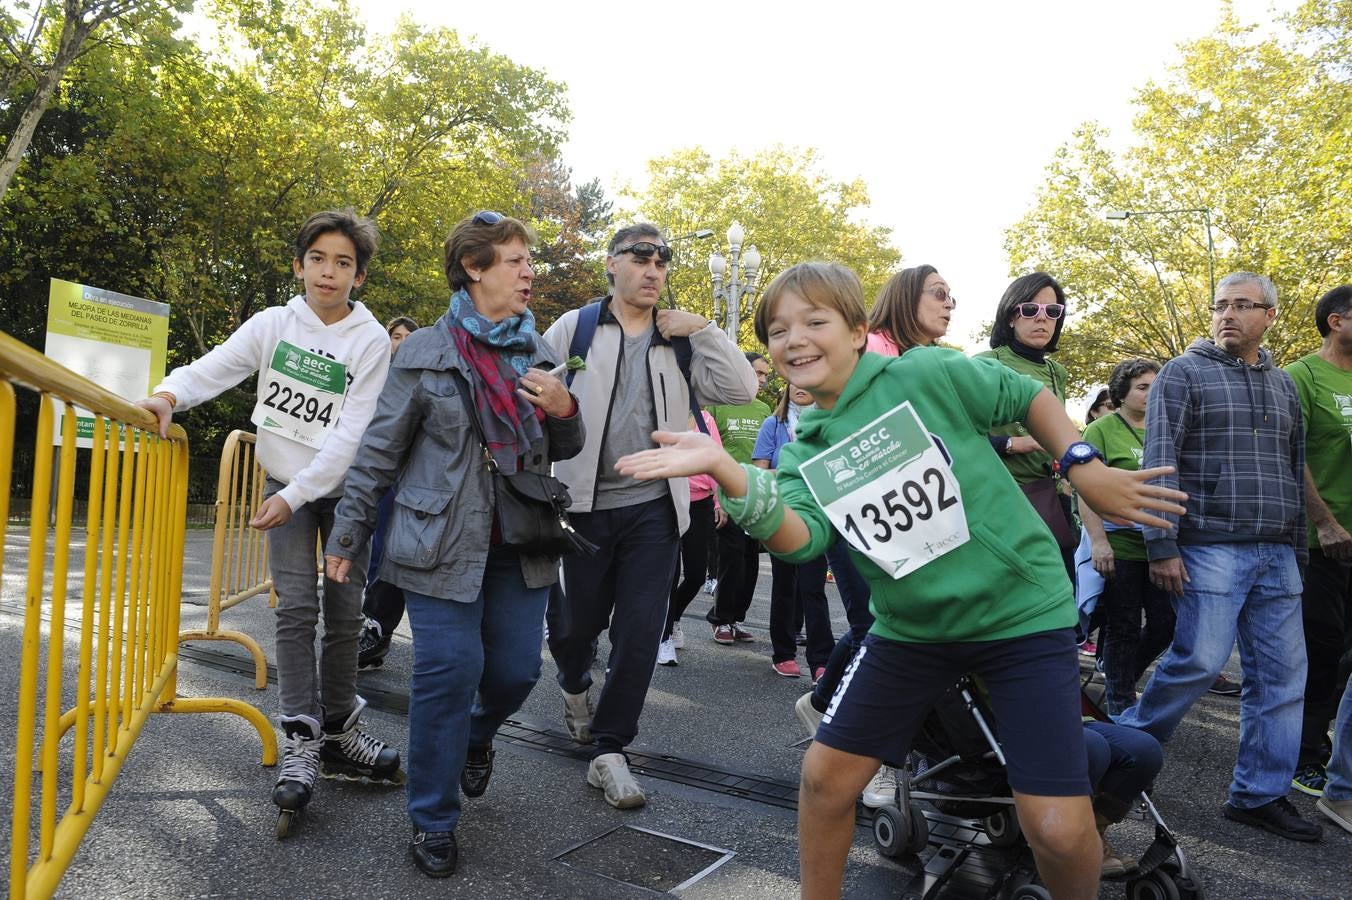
(351, 754)
(371, 646)
(300, 766)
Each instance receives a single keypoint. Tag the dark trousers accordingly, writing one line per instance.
(383, 603)
(738, 568)
(1122, 763)
(694, 560)
(1127, 650)
(854, 593)
(625, 585)
(1326, 613)
(800, 587)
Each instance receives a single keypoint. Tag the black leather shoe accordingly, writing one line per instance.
(435, 852)
(478, 769)
(1279, 817)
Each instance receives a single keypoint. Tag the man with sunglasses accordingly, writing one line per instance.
(1230, 422)
(633, 384)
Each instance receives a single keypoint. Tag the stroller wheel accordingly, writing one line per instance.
(1031, 892)
(892, 831)
(1156, 885)
(1187, 888)
(1003, 827)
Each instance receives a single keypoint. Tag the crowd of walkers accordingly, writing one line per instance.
(968, 524)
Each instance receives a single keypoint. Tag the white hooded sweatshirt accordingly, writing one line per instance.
(357, 341)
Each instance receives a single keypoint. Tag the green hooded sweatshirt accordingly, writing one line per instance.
(1007, 580)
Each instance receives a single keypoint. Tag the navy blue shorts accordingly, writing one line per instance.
(1034, 687)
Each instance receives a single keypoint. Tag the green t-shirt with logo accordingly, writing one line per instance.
(739, 427)
(1326, 403)
(1026, 467)
(1122, 446)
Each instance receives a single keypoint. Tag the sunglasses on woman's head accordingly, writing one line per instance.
(1031, 310)
(486, 217)
(644, 250)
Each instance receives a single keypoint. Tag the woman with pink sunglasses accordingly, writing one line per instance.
(1026, 331)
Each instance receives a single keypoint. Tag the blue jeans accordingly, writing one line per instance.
(1122, 763)
(1339, 786)
(474, 664)
(1250, 592)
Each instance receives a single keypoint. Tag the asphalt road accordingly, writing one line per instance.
(190, 816)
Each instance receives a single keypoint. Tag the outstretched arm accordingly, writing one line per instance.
(1115, 494)
(681, 454)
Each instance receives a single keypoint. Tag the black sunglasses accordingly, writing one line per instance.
(486, 217)
(644, 250)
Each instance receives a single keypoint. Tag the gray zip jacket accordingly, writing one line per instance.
(1234, 432)
(718, 370)
(421, 436)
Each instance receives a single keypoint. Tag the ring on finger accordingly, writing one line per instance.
(537, 389)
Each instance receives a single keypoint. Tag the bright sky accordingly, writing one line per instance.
(949, 111)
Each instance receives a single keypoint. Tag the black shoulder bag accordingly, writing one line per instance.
(531, 508)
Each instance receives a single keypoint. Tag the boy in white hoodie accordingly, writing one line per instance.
(321, 361)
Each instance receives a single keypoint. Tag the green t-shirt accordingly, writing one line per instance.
(1123, 446)
(1326, 403)
(1026, 467)
(1008, 579)
(739, 426)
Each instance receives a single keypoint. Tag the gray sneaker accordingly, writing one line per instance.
(807, 714)
(610, 773)
(1338, 811)
(577, 715)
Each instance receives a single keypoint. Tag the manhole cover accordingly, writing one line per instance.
(645, 858)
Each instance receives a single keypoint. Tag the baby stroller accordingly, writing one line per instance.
(958, 768)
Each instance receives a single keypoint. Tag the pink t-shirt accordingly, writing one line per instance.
(702, 486)
(881, 343)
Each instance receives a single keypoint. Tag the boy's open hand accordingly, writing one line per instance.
(164, 413)
(271, 513)
(1122, 497)
(681, 453)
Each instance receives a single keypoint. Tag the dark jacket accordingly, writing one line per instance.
(1234, 431)
(438, 537)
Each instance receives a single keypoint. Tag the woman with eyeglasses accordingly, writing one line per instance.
(476, 606)
(1026, 331)
(912, 310)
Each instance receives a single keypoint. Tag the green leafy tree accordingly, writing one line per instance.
(791, 210)
(1249, 126)
(39, 41)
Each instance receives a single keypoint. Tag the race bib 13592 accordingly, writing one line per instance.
(889, 491)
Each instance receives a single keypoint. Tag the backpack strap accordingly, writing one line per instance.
(587, 319)
(684, 355)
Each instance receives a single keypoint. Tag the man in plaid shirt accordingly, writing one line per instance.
(1230, 422)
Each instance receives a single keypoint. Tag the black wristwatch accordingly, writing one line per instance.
(1079, 452)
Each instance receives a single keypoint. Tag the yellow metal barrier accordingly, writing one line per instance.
(239, 554)
(126, 664)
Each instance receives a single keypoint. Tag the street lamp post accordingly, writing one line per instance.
(735, 282)
(1124, 214)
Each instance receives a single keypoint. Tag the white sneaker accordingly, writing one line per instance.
(577, 715)
(882, 790)
(710, 586)
(610, 773)
(678, 636)
(666, 653)
(807, 714)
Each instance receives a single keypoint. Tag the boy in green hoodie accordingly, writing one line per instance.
(964, 575)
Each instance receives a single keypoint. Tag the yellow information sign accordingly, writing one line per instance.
(118, 341)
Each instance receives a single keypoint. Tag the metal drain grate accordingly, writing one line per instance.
(644, 858)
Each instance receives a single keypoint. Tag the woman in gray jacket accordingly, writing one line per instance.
(476, 607)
